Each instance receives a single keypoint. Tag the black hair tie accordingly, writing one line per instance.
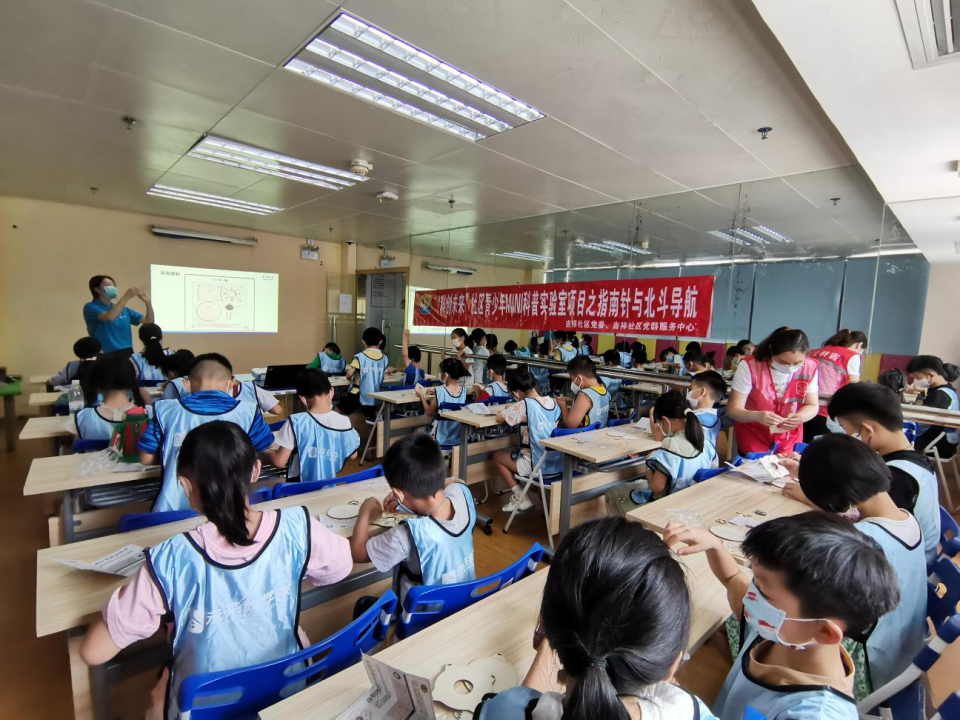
(599, 663)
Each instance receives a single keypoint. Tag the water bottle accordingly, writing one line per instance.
(75, 397)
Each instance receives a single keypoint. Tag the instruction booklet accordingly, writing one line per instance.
(123, 562)
(395, 695)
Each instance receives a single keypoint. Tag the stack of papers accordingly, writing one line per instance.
(480, 409)
(123, 562)
(764, 470)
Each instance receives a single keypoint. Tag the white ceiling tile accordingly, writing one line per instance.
(199, 184)
(282, 192)
(225, 175)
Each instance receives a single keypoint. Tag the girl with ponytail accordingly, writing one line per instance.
(149, 361)
(239, 555)
(616, 616)
(934, 379)
(838, 365)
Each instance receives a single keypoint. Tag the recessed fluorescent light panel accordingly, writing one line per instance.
(218, 201)
(615, 248)
(229, 152)
(517, 255)
(362, 60)
(772, 234)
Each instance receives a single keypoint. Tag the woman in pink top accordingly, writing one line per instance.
(232, 584)
(839, 361)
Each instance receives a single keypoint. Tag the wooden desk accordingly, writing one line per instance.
(67, 598)
(719, 498)
(502, 623)
(41, 428)
(467, 420)
(389, 398)
(597, 446)
(40, 379)
(46, 399)
(58, 474)
(643, 387)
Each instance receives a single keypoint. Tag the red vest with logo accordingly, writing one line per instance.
(756, 437)
(833, 375)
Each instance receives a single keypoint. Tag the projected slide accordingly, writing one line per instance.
(208, 300)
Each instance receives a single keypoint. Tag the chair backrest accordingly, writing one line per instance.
(498, 401)
(943, 591)
(261, 494)
(560, 432)
(85, 446)
(910, 430)
(424, 605)
(758, 455)
(244, 692)
(800, 447)
(274, 426)
(707, 473)
(949, 530)
(451, 406)
(281, 490)
(138, 521)
(613, 422)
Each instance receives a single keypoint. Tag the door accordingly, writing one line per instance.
(384, 304)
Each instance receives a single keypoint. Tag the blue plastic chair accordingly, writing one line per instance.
(800, 447)
(138, 521)
(424, 605)
(243, 693)
(750, 714)
(282, 490)
(614, 422)
(497, 401)
(275, 426)
(261, 494)
(561, 432)
(910, 430)
(758, 455)
(87, 446)
(949, 533)
(707, 473)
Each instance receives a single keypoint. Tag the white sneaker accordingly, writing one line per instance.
(517, 502)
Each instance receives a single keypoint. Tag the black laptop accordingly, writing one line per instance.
(281, 377)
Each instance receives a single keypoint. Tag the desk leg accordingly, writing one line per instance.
(464, 442)
(566, 494)
(386, 409)
(100, 689)
(10, 420)
(68, 531)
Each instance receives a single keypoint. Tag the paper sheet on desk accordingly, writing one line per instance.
(395, 695)
(329, 522)
(123, 562)
(764, 470)
(134, 467)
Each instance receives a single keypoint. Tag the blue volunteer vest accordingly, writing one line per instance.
(447, 432)
(371, 376)
(91, 425)
(146, 371)
(927, 508)
(567, 352)
(228, 617)
(798, 702)
(616, 395)
(542, 376)
(175, 421)
(517, 704)
(711, 430)
(626, 359)
(497, 389)
(540, 425)
(678, 468)
(330, 366)
(445, 558)
(898, 636)
(320, 450)
(413, 375)
(599, 407)
(584, 350)
(174, 390)
(522, 352)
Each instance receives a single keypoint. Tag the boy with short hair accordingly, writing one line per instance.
(706, 391)
(497, 388)
(591, 403)
(208, 384)
(435, 546)
(330, 360)
(618, 403)
(873, 413)
(560, 349)
(314, 445)
(412, 374)
(838, 473)
(87, 350)
(365, 373)
(816, 580)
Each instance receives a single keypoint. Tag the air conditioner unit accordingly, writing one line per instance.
(450, 269)
(931, 29)
(181, 234)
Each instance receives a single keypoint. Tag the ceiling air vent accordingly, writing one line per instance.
(931, 29)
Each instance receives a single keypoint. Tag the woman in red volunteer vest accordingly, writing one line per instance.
(839, 365)
(774, 392)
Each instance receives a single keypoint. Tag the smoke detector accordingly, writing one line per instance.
(387, 196)
(361, 167)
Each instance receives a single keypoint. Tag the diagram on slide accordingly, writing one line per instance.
(219, 303)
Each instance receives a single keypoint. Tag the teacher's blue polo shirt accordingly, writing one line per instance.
(114, 335)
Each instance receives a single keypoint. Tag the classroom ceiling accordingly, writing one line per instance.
(655, 100)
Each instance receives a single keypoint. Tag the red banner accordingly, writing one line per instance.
(681, 306)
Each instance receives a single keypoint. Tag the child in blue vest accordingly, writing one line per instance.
(447, 432)
(176, 367)
(249, 391)
(149, 361)
(329, 360)
(412, 373)
(816, 579)
(591, 400)
(315, 445)
(874, 414)
(707, 389)
(365, 374)
(838, 473)
(560, 348)
(541, 374)
(934, 379)
(497, 387)
(435, 545)
(110, 393)
(606, 574)
(232, 584)
(87, 350)
(618, 403)
(209, 385)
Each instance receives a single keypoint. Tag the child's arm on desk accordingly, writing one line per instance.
(369, 511)
(724, 567)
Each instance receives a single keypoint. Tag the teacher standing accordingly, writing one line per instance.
(109, 321)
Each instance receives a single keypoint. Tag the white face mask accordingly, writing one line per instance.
(575, 387)
(457, 342)
(921, 384)
(691, 400)
(786, 368)
(768, 620)
(834, 427)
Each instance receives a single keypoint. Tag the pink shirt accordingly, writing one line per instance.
(134, 611)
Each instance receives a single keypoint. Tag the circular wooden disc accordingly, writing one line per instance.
(343, 512)
(729, 532)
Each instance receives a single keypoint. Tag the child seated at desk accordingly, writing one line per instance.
(586, 345)
(671, 467)
(618, 403)
(412, 373)
(447, 432)
(110, 393)
(478, 369)
(895, 380)
(249, 391)
(87, 350)
(933, 378)
(497, 388)
(672, 361)
(537, 418)
(560, 348)
(816, 580)
(638, 354)
(606, 574)
(329, 360)
(149, 361)
(435, 546)
(314, 445)
(541, 374)
(176, 367)
(697, 362)
(707, 389)
(365, 374)
(733, 358)
(591, 400)
(838, 473)
(240, 555)
(210, 383)
(873, 413)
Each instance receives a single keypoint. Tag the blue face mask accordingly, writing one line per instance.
(111, 292)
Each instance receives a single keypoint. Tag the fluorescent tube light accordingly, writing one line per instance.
(772, 234)
(886, 253)
(229, 152)
(517, 255)
(723, 235)
(414, 57)
(219, 201)
(344, 57)
(342, 83)
(752, 237)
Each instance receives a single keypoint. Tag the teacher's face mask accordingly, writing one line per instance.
(111, 291)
